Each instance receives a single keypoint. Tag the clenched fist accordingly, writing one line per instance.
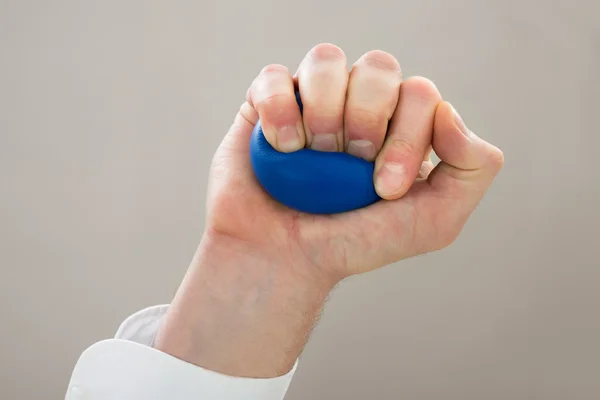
(370, 113)
(262, 271)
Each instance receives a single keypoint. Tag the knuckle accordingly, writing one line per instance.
(248, 113)
(324, 83)
(273, 101)
(401, 146)
(421, 88)
(272, 83)
(274, 69)
(497, 159)
(381, 60)
(365, 120)
(326, 121)
(425, 169)
(324, 111)
(249, 95)
(327, 52)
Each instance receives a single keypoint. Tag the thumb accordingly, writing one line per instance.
(458, 183)
(468, 164)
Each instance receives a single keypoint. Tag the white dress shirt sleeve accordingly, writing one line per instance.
(128, 367)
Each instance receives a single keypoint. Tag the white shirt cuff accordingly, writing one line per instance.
(128, 367)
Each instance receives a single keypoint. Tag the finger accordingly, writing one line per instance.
(272, 96)
(433, 212)
(322, 79)
(426, 166)
(425, 169)
(408, 139)
(232, 158)
(372, 96)
(467, 161)
(427, 156)
(456, 185)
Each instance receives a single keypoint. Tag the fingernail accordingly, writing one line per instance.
(362, 148)
(324, 142)
(288, 139)
(460, 123)
(389, 179)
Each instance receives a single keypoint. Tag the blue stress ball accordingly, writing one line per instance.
(312, 181)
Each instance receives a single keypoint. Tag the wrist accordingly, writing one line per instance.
(242, 312)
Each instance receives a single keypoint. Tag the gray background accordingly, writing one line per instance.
(110, 112)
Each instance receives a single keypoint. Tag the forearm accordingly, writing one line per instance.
(239, 314)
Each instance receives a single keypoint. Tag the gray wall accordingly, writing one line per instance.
(110, 112)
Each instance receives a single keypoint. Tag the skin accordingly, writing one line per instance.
(262, 272)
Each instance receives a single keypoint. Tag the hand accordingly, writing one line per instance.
(368, 113)
(262, 271)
